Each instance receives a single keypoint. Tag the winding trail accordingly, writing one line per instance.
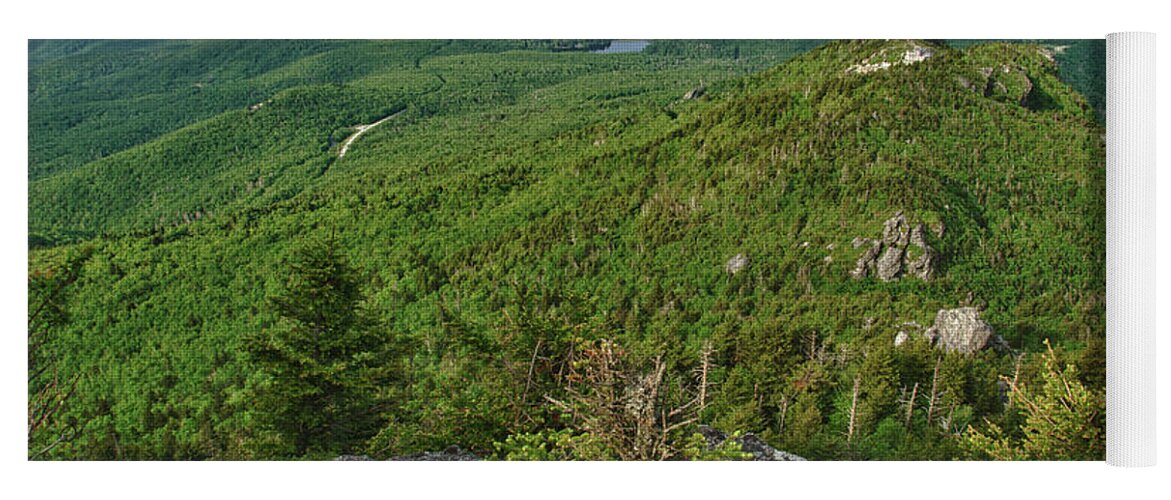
(361, 129)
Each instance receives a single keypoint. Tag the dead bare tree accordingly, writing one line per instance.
(625, 408)
(910, 402)
(852, 426)
(50, 393)
(45, 406)
(786, 400)
(1016, 375)
(705, 360)
(946, 421)
(934, 397)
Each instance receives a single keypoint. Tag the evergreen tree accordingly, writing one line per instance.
(1063, 420)
(805, 422)
(878, 382)
(50, 394)
(324, 362)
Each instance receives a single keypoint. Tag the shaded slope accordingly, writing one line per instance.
(283, 136)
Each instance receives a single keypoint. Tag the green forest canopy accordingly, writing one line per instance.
(530, 209)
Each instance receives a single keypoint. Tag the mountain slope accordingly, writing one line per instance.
(507, 221)
(274, 110)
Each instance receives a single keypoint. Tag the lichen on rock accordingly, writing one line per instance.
(961, 330)
(887, 58)
(749, 443)
(902, 251)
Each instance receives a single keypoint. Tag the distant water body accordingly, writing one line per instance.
(624, 47)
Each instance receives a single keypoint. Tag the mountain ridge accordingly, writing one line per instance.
(599, 207)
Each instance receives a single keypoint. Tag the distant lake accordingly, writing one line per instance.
(624, 46)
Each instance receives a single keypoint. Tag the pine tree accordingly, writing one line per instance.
(804, 422)
(324, 362)
(878, 381)
(1063, 419)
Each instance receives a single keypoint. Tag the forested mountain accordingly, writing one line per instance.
(543, 252)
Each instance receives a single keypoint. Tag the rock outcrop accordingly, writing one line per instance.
(1006, 83)
(905, 332)
(902, 251)
(749, 443)
(901, 338)
(961, 330)
(450, 454)
(736, 263)
(866, 262)
(885, 59)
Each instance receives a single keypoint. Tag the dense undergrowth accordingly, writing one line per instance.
(534, 253)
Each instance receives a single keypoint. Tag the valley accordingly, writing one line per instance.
(831, 250)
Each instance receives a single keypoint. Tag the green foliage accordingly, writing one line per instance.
(49, 394)
(1081, 63)
(323, 364)
(529, 202)
(1064, 420)
(564, 444)
(729, 450)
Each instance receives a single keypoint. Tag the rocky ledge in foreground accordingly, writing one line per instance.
(750, 443)
(450, 454)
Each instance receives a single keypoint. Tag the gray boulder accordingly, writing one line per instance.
(867, 262)
(921, 266)
(903, 251)
(960, 330)
(895, 231)
(901, 338)
(890, 265)
(736, 263)
(450, 454)
(749, 443)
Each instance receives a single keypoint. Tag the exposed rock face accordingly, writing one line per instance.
(902, 251)
(736, 264)
(960, 330)
(1006, 83)
(885, 59)
(901, 338)
(917, 54)
(759, 449)
(922, 266)
(451, 454)
(908, 326)
(866, 263)
(890, 265)
(895, 231)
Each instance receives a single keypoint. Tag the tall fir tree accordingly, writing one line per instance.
(325, 362)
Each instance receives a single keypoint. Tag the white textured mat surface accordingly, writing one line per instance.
(1130, 249)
